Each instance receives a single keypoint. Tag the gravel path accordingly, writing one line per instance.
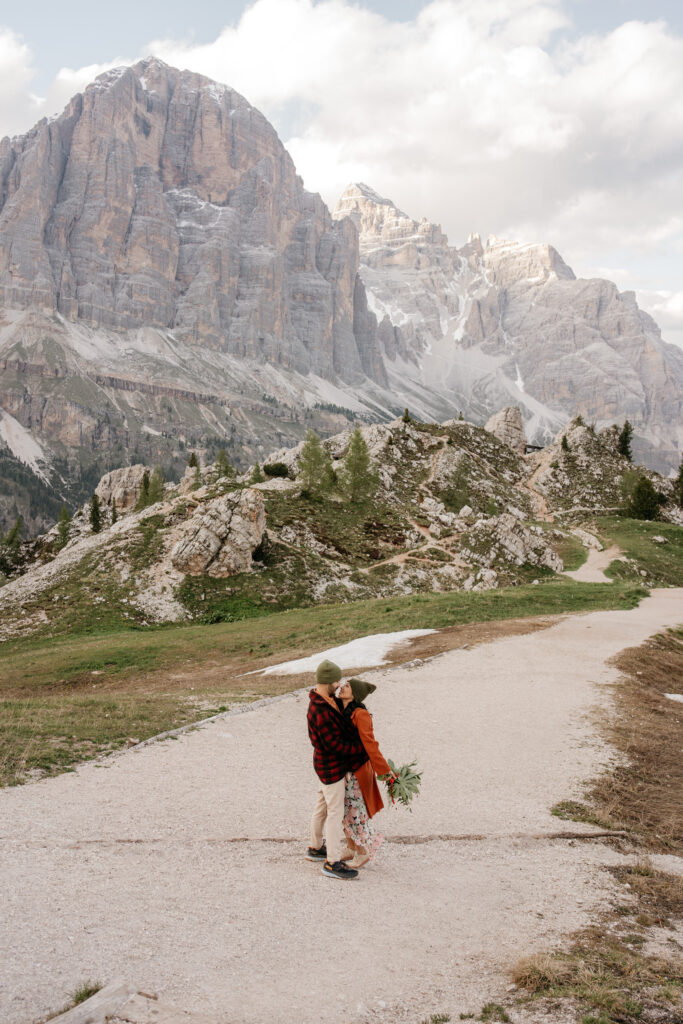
(592, 570)
(179, 866)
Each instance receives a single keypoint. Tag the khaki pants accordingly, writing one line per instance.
(329, 811)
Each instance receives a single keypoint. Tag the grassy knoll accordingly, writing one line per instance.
(67, 699)
(661, 563)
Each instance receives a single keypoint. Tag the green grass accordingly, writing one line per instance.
(571, 551)
(71, 698)
(84, 991)
(663, 563)
(49, 734)
(572, 810)
(29, 665)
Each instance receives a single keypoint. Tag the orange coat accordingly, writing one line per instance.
(377, 764)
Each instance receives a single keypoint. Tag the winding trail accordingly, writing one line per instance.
(176, 866)
(592, 570)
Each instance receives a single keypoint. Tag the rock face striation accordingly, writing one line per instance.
(486, 326)
(121, 487)
(219, 540)
(161, 199)
(507, 425)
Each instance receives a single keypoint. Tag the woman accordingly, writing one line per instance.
(362, 799)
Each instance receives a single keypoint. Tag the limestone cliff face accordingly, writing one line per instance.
(161, 199)
(487, 326)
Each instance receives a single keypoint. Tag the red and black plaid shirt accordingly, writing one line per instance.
(337, 748)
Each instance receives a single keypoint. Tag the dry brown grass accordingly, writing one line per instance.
(602, 974)
(605, 976)
(645, 792)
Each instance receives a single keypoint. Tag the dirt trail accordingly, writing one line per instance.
(592, 569)
(166, 866)
(538, 503)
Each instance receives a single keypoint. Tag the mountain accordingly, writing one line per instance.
(167, 283)
(164, 277)
(482, 326)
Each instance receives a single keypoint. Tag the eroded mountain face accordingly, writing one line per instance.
(507, 321)
(160, 199)
(167, 283)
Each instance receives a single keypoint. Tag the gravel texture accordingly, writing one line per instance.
(179, 866)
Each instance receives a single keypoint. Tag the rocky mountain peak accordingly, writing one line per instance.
(379, 219)
(480, 327)
(161, 198)
(514, 261)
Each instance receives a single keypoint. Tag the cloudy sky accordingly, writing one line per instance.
(539, 120)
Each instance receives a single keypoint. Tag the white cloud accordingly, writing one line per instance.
(667, 309)
(478, 114)
(18, 107)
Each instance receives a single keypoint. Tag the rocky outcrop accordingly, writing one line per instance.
(508, 427)
(480, 327)
(220, 539)
(122, 487)
(505, 538)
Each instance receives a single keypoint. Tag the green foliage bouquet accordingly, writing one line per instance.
(404, 784)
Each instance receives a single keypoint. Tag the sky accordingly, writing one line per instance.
(556, 121)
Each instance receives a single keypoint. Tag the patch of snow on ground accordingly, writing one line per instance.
(519, 382)
(675, 696)
(365, 651)
(22, 443)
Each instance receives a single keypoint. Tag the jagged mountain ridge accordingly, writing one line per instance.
(166, 282)
(510, 322)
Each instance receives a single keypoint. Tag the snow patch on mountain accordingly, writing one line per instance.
(23, 444)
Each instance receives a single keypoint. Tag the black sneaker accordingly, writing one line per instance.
(313, 854)
(339, 870)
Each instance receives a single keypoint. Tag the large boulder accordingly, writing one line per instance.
(507, 426)
(221, 536)
(124, 486)
(504, 538)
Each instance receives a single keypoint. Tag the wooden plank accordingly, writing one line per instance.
(103, 1004)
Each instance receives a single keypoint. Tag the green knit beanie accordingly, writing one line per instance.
(327, 672)
(360, 689)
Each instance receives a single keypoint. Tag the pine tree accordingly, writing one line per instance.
(95, 514)
(193, 460)
(155, 490)
(644, 502)
(406, 416)
(624, 445)
(13, 538)
(114, 512)
(678, 486)
(358, 477)
(63, 527)
(315, 466)
(565, 443)
(222, 465)
(257, 476)
(143, 500)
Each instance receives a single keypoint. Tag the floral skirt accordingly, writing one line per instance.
(358, 825)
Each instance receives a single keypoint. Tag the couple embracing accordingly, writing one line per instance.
(347, 761)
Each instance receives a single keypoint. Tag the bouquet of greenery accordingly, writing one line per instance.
(404, 784)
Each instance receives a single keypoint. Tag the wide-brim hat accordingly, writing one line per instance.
(360, 689)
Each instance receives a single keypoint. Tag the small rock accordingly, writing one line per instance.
(660, 540)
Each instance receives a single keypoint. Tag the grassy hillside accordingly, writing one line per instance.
(69, 699)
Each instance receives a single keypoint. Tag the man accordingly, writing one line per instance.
(336, 751)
